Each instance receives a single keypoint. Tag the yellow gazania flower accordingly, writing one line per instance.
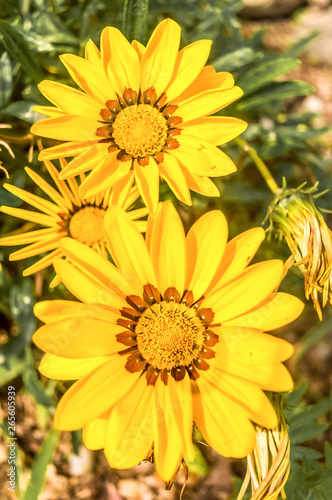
(171, 336)
(144, 111)
(66, 215)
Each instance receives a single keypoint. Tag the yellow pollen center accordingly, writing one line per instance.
(169, 335)
(87, 226)
(140, 130)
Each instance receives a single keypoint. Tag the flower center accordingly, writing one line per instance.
(166, 335)
(169, 335)
(140, 130)
(87, 225)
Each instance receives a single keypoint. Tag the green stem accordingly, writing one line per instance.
(259, 164)
(134, 20)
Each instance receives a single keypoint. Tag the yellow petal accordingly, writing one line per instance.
(275, 311)
(49, 190)
(172, 173)
(147, 180)
(223, 423)
(168, 249)
(238, 254)
(90, 77)
(188, 65)
(38, 247)
(128, 249)
(35, 201)
(85, 287)
(207, 103)
(89, 261)
(20, 213)
(49, 111)
(168, 439)
(67, 149)
(94, 394)
(245, 291)
(130, 428)
(42, 263)
(206, 242)
(94, 433)
(92, 53)
(49, 311)
(67, 128)
(207, 80)
(120, 59)
(30, 237)
(201, 185)
(139, 47)
(202, 158)
(79, 338)
(87, 160)
(216, 130)
(248, 396)
(70, 100)
(105, 175)
(160, 55)
(58, 368)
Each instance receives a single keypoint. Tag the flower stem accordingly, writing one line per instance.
(259, 164)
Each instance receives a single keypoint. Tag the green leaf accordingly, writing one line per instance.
(32, 383)
(328, 454)
(22, 110)
(266, 72)
(40, 465)
(6, 79)
(302, 452)
(306, 432)
(134, 21)
(12, 368)
(275, 92)
(313, 336)
(235, 59)
(18, 50)
(302, 44)
(34, 41)
(21, 301)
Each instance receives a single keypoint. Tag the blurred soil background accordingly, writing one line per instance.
(86, 475)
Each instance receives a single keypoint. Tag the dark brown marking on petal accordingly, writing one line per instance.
(171, 144)
(161, 101)
(123, 156)
(103, 132)
(192, 372)
(164, 375)
(187, 298)
(107, 114)
(169, 110)
(152, 375)
(173, 121)
(171, 294)
(211, 339)
(121, 101)
(135, 362)
(206, 315)
(178, 372)
(131, 349)
(131, 325)
(207, 353)
(112, 148)
(128, 312)
(136, 302)
(198, 302)
(149, 96)
(158, 157)
(173, 131)
(201, 364)
(143, 161)
(127, 338)
(114, 106)
(151, 295)
(130, 96)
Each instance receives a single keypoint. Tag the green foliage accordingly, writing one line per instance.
(32, 35)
